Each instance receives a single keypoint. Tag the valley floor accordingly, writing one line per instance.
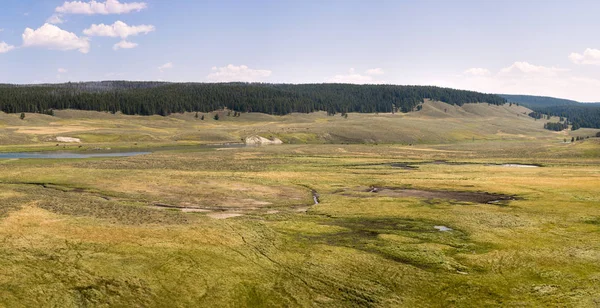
(447, 224)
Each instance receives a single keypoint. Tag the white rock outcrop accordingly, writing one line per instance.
(258, 140)
(68, 139)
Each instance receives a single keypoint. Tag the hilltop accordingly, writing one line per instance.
(150, 98)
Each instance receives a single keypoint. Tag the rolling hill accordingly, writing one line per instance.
(435, 122)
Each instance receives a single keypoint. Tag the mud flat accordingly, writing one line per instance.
(461, 196)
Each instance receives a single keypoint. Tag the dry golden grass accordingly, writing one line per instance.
(89, 232)
(435, 123)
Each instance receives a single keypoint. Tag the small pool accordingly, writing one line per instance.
(67, 155)
(442, 228)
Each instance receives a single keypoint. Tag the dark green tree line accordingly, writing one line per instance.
(148, 98)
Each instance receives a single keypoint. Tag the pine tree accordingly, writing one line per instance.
(216, 117)
(22, 117)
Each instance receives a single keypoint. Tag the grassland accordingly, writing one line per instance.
(436, 123)
(143, 231)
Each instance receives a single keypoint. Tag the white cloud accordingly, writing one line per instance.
(527, 68)
(231, 73)
(351, 78)
(118, 29)
(55, 19)
(589, 56)
(62, 70)
(356, 78)
(477, 71)
(112, 74)
(375, 71)
(1, 29)
(52, 37)
(124, 45)
(526, 78)
(166, 66)
(4, 47)
(103, 8)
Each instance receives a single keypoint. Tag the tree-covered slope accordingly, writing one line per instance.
(578, 114)
(532, 101)
(147, 98)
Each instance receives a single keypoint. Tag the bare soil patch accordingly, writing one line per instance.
(224, 215)
(50, 130)
(461, 196)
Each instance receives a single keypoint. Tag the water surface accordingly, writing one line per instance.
(67, 155)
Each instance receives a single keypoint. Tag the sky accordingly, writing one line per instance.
(536, 47)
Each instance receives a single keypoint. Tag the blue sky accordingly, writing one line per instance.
(528, 47)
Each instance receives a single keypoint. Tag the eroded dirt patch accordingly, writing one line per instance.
(460, 196)
(519, 166)
(224, 215)
(184, 209)
(415, 165)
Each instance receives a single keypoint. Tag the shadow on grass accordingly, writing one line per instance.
(409, 241)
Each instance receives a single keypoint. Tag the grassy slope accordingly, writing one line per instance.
(435, 123)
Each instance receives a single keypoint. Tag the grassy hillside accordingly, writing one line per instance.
(436, 122)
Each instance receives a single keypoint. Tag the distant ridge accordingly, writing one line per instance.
(578, 114)
(543, 101)
(533, 101)
(149, 98)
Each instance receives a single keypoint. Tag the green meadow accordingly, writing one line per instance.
(426, 209)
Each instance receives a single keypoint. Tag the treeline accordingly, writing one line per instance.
(149, 98)
(562, 124)
(532, 102)
(578, 116)
(536, 115)
(556, 126)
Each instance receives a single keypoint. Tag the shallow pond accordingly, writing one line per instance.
(519, 166)
(442, 228)
(106, 153)
(67, 155)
